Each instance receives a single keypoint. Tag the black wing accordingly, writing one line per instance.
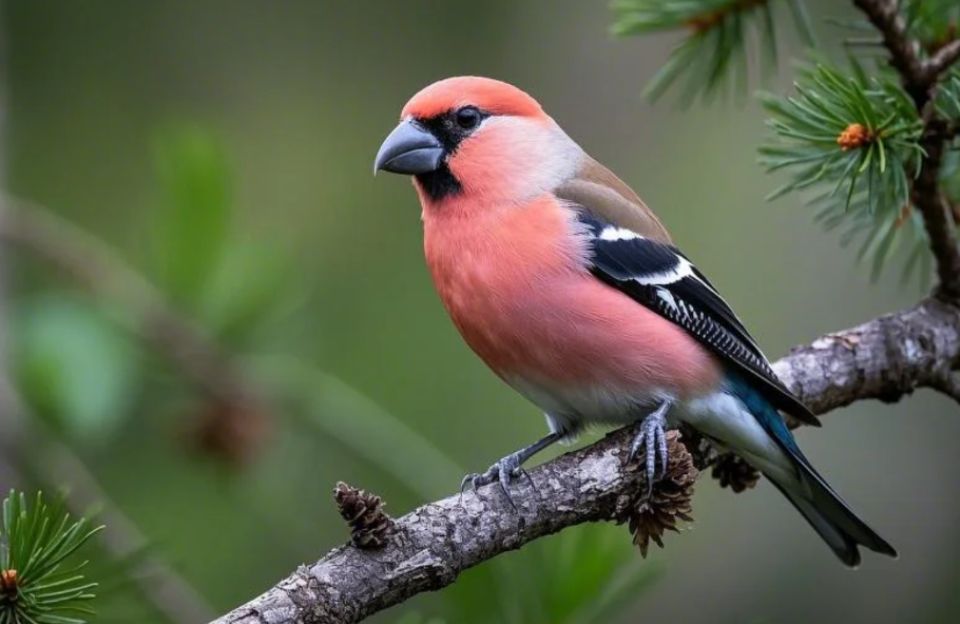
(661, 278)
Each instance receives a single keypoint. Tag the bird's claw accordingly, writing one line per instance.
(652, 438)
(503, 471)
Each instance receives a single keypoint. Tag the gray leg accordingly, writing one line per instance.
(509, 467)
(653, 439)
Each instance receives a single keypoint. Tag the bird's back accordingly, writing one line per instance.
(612, 200)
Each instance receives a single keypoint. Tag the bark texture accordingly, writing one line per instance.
(433, 544)
(886, 358)
(920, 80)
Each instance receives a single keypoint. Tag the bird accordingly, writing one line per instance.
(572, 291)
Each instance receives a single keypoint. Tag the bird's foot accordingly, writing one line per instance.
(652, 438)
(503, 471)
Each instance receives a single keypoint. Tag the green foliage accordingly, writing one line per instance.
(253, 284)
(73, 365)
(932, 22)
(950, 175)
(716, 47)
(948, 97)
(318, 401)
(36, 544)
(587, 574)
(416, 618)
(232, 286)
(948, 106)
(851, 138)
(855, 138)
(190, 235)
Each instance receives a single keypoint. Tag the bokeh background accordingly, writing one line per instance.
(222, 150)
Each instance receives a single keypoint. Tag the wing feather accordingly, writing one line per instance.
(660, 277)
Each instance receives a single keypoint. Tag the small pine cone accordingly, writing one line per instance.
(704, 451)
(369, 525)
(229, 430)
(853, 136)
(733, 472)
(8, 584)
(670, 501)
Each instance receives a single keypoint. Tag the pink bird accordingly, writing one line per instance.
(562, 280)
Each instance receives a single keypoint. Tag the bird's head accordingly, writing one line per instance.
(480, 140)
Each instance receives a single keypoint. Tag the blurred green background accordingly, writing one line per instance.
(223, 149)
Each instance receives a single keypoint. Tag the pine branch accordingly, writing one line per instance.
(156, 579)
(96, 267)
(234, 398)
(855, 138)
(40, 582)
(929, 199)
(39, 456)
(718, 35)
(887, 359)
(55, 464)
(904, 51)
(919, 77)
(944, 57)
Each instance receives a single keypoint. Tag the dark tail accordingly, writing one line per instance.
(826, 512)
(830, 517)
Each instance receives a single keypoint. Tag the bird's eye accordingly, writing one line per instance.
(468, 117)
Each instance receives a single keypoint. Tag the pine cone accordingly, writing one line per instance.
(668, 503)
(229, 430)
(370, 526)
(702, 449)
(733, 472)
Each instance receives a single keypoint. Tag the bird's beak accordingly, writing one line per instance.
(409, 149)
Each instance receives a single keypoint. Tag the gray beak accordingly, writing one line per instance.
(409, 149)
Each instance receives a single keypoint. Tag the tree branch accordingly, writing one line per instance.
(234, 398)
(55, 464)
(98, 269)
(944, 57)
(886, 358)
(904, 51)
(436, 542)
(950, 386)
(919, 77)
(937, 215)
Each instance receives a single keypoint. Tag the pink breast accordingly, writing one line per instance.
(515, 285)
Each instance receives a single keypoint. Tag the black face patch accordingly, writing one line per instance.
(439, 183)
(450, 128)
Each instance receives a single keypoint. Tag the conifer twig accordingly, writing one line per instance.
(919, 79)
(944, 58)
(58, 465)
(97, 268)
